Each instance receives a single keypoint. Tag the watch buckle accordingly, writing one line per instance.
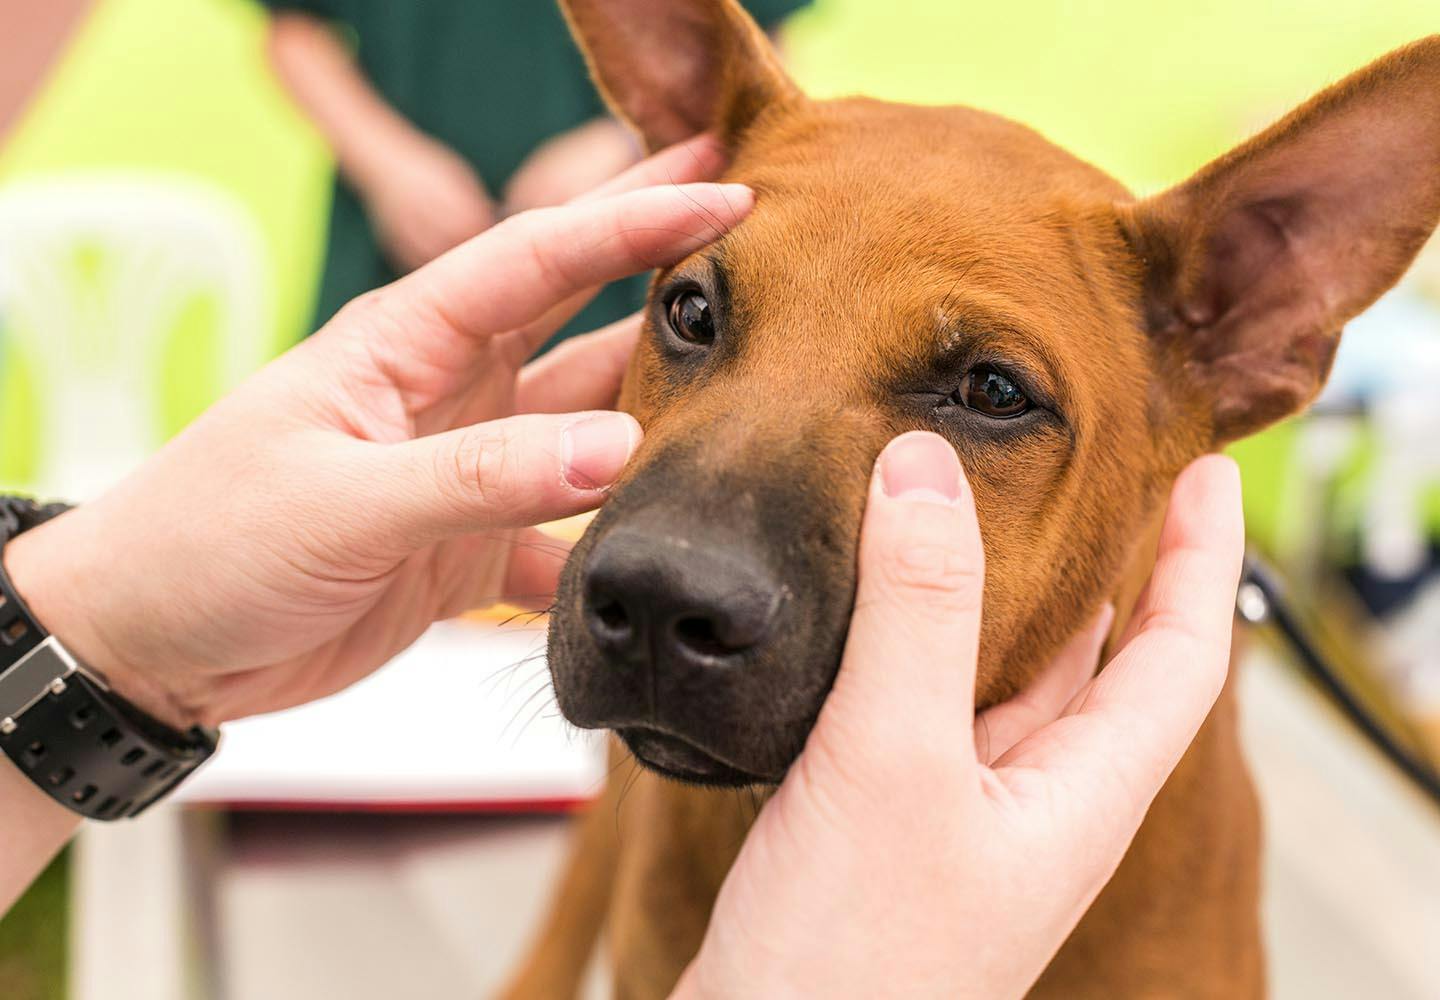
(46, 669)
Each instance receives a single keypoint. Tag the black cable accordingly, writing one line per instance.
(1276, 609)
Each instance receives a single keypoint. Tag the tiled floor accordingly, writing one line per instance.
(383, 907)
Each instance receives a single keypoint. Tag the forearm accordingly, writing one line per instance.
(33, 827)
(323, 78)
(41, 565)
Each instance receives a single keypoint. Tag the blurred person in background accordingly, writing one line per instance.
(443, 117)
(34, 34)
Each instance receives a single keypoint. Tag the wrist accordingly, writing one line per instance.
(46, 566)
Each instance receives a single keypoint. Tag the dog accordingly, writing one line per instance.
(947, 269)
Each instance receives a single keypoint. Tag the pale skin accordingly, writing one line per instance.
(379, 476)
(385, 474)
(422, 197)
(898, 860)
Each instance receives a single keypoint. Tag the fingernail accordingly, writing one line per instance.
(920, 467)
(1105, 619)
(740, 197)
(594, 450)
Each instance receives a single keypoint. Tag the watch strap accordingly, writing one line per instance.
(19, 514)
(95, 754)
(82, 744)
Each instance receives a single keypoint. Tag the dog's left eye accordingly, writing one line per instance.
(691, 318)
(990, 392)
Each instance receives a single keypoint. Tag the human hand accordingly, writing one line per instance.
(570, 164)
(423, 199)
(377, 477)
(899, 858)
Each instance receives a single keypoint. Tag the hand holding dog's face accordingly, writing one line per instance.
(941, 269)
(374, 479)
(989, 850)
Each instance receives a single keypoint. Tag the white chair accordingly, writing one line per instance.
(95, 269)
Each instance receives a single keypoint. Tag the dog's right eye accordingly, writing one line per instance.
(991, 392)
(691, 318)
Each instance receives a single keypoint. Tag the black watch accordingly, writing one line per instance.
(82, 744)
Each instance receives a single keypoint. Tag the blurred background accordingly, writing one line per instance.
(189, 186)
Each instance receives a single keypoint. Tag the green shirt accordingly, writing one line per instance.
(492, 79)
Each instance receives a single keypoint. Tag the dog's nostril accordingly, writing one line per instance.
(657, 603)
(700, 636)
(612, 615)
(614, 623)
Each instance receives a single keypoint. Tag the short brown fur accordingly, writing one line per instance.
(1160, 329)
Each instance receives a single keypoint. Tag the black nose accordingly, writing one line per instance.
(661, 599)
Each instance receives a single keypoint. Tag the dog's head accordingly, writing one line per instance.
(946, 269)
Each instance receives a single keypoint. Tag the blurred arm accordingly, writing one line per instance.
(323, 78)
(422, 197)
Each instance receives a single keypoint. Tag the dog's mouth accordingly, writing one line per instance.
(676, 758)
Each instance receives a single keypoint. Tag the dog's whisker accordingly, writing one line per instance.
(610, 772)
(624, 790)
(533, 715)
(734, 216)
(490, 684)
(511, 667)
(536, 676)
(713, 222)
(719, 228)
(529, 700)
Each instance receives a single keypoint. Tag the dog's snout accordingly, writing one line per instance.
(665, 602)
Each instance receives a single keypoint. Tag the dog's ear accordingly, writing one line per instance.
(1254, 264)
(672, 68)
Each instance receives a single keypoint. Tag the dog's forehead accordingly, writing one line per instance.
(880, 226)
(971, 155)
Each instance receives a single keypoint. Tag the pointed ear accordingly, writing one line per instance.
(672, 68)
(1254, 264)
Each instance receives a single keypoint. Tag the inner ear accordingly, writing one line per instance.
(673, 68)
(1255, 264)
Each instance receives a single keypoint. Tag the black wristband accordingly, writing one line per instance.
(87, 748)
(19, 514)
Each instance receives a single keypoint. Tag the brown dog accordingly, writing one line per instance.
(946, 269)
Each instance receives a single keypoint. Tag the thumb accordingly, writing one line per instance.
(506, 473)
(905, 692)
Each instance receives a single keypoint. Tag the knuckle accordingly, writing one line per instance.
(480, 472)
(935, 577)
(540, 234)
(366, 307)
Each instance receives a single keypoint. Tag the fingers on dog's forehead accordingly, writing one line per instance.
(700, 158)
(510, 275)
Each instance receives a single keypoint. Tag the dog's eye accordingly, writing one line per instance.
(691, 319)
(987, 391)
